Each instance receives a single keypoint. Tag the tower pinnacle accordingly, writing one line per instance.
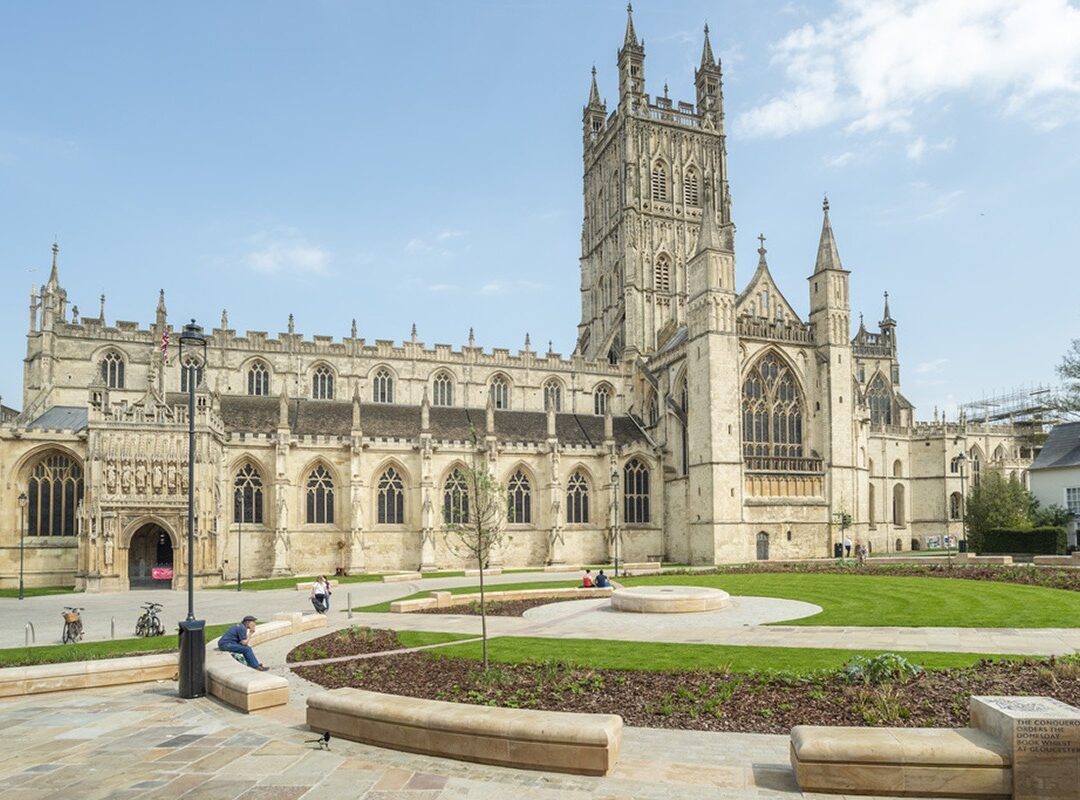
(594, 92)
(630, 40)
(828, 256)
(707, 59)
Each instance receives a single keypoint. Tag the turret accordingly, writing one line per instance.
(161, 313)
(887, 326)
(710, 276)
(53, 296)
(708, 81)
(595, 112)
(631, 65)
(829, 306)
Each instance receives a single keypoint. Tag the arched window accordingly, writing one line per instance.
(382, 387)
(442, 393)
(577, 499)
(652, 414)
(553, 395)
(322, 383)
(897, 469)
(955, 505)
(320, 497)
(999, 453)
(456, 499)
(898, 511)
(954, 465)
(879, 398)
(772, 410)
(601, 399)
(112, 370)
(53, 495)
(662, 276)
(690, 187)
(248, 496)
(191, 363)
(520, 499)
(976, 465)
(659, 182)
(635, 492)
(258, 384)
(500, 392)
(391, 498)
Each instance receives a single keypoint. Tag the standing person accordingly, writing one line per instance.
(862, 554)
(326, 583)
(847, 546)
(237, 639)
(586, 580)
(318, 594)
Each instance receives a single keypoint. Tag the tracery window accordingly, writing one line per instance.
(577, 499)
(659, 182)
(456, 499)
(519, 507)
(382, 387)
(879, 398)
(662, 276)
(553, 395)
(391, 501)
(258, 384)
(320, 496)
(772, 410)
(248, 496)
(191, 363)
(322, 383)
(442, 390)
(54, 492)
(976, 466)
(635, 492)
(500, 392)
(690, 187)
(601, 398)
(112, 370)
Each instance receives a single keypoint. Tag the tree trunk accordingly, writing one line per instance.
(483, 613)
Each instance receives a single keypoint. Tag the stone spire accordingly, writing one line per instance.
(101, 313)
(528, 342)
(352, 330)
(54, 276)
(828, 257)
(707, 59)
(472, 338)
(292, 325)
(551, 421)
(489, 414)
(412, 334)
(161, 313)
(609, 424)
(888, 316)
(594, 92)
(630, 40)
(709, 236)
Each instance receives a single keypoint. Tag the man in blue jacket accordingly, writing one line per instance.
(237, 639)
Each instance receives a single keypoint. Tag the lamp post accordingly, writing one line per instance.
(239, 507)
(22, 539)
(192, 631)
(615, 532)
(960, 460)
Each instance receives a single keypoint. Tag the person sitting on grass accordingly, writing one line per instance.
(237, 639)
(601, 581)
(586, 581)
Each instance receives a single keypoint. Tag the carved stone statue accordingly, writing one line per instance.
(110, 477)
(125, 477)
(108, 544)
(157, 477)
(171, 483)
(79, 519)
(357, 518)
(282, 519)
(140, 476)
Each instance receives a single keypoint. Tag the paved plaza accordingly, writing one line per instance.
(143, 741)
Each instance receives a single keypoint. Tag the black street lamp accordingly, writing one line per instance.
(192, 631)
(615, 532)
(238, 506)
(22, 539)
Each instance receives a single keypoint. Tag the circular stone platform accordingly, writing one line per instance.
(669, 599)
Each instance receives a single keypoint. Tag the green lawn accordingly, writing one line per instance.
(663, 657)
(37, 591)
(868, 600)
(940, 551)
(490, 587)
(422, 638)
(290, 583)
(91, 651)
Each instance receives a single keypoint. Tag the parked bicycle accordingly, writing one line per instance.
(150, 623)
(73, 629)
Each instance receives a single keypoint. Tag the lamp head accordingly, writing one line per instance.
(22, 499)
(192, 334)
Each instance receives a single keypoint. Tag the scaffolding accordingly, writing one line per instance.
(1038, 406)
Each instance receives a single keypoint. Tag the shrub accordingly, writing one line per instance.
(882, 668)
(1039, 541)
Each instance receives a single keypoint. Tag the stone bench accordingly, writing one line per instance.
(1057, 561)
(475, 573)
(402, 577)
(243, 687)
(42, 678)
(557, 741)
(306, 587)
(968, 558)
(1027, 748)
(448, 599)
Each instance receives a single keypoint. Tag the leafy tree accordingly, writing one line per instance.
(1069, 372)
(478, 528)
(1053, 516)
(997, 503)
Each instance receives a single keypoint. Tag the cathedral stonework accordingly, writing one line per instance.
(695, 421)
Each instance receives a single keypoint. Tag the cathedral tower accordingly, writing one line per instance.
(648, 166)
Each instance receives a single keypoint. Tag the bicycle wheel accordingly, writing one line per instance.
(67, 636)
(140, 627)
(78, 631)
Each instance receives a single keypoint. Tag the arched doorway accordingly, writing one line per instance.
(763, 546)
(150, 558)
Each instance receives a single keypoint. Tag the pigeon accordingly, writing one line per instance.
(323, 741)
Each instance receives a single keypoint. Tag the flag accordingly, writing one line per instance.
(165, 345)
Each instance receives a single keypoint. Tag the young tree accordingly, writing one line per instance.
(1069, 371)
(997, 503)
(476, 524)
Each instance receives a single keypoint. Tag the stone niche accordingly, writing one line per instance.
(1044, 736)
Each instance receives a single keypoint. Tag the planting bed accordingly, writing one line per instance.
(358, 640)
(508, 608)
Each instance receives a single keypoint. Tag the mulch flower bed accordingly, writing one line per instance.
(502, 608)
(352, 641)
(707, 701)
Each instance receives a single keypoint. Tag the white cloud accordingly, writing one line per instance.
(842, 160)
(441, 287)
(930, 367)
(874, 63)
(498, 287)
(941, 204)
(438, 243)
(919, 147)
(286, 252)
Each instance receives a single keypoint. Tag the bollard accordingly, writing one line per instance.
(31, 635)
(112, 627)
(348, 603)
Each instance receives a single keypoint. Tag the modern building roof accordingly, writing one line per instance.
(1062, 448)
(63, 418)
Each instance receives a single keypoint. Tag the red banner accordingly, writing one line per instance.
(161, 573)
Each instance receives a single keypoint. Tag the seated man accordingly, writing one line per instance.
(586, 581)
(601, 580)
(236, 640)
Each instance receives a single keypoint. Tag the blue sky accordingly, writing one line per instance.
(399, 162)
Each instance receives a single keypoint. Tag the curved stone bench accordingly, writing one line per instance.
(449, 599)
(584, 744)
(87, 674)
(916, 762)
(243, 687)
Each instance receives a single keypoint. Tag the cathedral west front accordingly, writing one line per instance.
(700, 419)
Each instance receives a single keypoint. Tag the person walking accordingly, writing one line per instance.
(847, 547)
(320, 594)
(237, 639)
